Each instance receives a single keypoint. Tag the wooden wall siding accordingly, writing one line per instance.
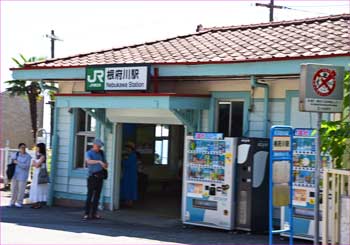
(63, 128)
(64, 183)
(256, 123)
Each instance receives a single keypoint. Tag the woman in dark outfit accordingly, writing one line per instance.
(128, 188)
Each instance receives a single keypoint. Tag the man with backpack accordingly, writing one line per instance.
(19, 169)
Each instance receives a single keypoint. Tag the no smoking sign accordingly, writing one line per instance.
(321, 88)
(324, 81)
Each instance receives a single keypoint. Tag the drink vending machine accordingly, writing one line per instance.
(304, 155)
(252, 184)
(208, 189)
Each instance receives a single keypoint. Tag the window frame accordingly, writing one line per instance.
(73, 170)
(162, 138)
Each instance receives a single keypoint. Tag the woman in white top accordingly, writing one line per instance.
(38, 192)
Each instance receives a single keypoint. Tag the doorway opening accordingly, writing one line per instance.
(230, 118)
(159, 153)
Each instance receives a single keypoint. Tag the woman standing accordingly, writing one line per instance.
(129, 176)
(21, 159)
(38, 192)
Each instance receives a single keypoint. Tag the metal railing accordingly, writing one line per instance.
(336, 207)
(5, 159)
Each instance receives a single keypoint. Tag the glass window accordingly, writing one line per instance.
(161, 145)
(85, 134)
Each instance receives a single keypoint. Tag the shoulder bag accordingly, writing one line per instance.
(43, 177)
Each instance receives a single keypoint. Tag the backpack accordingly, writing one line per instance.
(11, 168)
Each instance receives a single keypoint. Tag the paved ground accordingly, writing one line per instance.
(58, 225)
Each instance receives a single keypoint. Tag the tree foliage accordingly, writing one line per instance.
(31, 89)
(335, 135)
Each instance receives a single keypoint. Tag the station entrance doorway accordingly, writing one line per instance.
(159, 150)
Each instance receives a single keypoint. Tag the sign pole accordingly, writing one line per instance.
(317, 180)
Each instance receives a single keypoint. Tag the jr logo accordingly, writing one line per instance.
(97, 76)
(95, 79)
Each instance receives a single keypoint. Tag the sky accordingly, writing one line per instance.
(94, 25)
(86, 26)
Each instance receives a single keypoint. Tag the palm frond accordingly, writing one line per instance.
(23, 58)
(49, 87)
(17, 62)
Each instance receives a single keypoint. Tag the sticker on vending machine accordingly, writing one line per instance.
(228, 158)
(300, 197)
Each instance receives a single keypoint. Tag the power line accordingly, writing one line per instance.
(320, 6)
(271, 7)
(303, 10)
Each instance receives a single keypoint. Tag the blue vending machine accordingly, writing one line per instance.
(304, 155)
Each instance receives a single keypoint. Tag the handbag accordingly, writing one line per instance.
(43, 177)
(11, 168)
(102, 174)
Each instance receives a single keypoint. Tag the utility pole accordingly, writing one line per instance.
(52, 38)
(271, 7)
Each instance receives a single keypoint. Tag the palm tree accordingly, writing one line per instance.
(32, 89)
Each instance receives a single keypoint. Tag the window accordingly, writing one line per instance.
(85, 135)
(161, 145)
(230, 118)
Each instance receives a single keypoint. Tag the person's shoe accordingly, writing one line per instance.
(18, 205)
(11, 206)
(96, 216)
(85, 217)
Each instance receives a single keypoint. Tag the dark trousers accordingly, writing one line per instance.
(93, 196)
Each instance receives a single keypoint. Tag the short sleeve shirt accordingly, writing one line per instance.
(93, 155)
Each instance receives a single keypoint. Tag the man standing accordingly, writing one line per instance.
(96, 162)
(19, 180)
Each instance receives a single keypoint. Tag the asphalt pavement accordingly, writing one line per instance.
(60, 225)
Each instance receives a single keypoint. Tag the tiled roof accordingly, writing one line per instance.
(322, 36)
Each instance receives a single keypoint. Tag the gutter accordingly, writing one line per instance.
(255, 84)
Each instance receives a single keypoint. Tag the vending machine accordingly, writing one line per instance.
(304, 160)
(252, 209)
(208, 188)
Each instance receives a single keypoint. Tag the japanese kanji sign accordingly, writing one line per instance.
(100, 78)
(321, 88)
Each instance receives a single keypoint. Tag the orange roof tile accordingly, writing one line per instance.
(322, 36)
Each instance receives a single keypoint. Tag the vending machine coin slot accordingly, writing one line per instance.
(204, 204)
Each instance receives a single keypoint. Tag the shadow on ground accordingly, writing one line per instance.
(126, 223)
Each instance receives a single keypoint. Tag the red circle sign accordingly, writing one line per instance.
(324, 82)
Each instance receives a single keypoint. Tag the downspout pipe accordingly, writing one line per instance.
(53, 159)
(255, 84)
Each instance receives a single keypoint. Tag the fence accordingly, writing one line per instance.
(336, 209)
(5, 159)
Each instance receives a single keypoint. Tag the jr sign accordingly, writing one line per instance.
(100, 78)
(321, 88)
